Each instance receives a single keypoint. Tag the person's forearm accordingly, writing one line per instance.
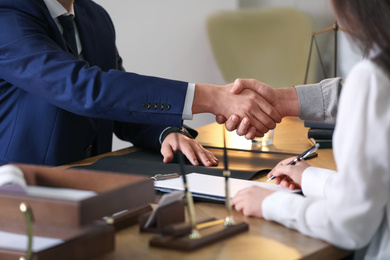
(202, 102)
(288, 100)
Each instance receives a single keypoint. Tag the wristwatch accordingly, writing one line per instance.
(169, 130)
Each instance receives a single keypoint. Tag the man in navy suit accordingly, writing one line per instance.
(60, 104)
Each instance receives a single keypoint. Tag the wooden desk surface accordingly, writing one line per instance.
(289, 136)
(264, 240)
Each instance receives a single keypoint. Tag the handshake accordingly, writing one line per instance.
(247, 105)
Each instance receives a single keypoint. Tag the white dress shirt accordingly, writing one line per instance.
(349, 208)
(56, 10)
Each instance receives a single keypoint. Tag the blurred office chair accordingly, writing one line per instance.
(270, 45)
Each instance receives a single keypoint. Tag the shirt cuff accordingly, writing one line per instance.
(314, 180)
(282, 207)
(187, 110)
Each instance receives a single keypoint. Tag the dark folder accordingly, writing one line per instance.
(243, 164)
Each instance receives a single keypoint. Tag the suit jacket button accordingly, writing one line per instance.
(166, 106)
(160, 106)
(153, 106)
(146, 105)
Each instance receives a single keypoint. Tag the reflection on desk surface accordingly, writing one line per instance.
(289, 137)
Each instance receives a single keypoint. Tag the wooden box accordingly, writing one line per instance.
(115, 192)
(77, 222)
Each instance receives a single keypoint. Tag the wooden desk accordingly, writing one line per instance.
(264, 240)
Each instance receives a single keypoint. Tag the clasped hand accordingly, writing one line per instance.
(271, 106)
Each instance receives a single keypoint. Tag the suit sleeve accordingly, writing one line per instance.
(141, 135)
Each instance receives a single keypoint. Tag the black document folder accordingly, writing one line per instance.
(243, 164)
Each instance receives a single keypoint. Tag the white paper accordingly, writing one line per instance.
(213, 185)
(19, 242)
(59, 193)
(12, 179)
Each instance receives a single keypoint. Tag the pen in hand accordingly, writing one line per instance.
(304, 155)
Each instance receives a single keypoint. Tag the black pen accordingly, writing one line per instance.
(304, 155)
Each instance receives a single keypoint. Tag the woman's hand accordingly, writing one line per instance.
(249, 201)
(289, 176)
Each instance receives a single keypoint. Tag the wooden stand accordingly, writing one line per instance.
(208, 236)
(130, 217)
(165, 216)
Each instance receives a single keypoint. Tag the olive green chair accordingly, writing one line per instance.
(270, 45)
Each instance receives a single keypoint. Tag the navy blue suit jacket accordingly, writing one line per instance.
(54, 108)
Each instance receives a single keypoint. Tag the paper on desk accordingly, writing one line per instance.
(59, 193)
(12, 179)
(19, 242)
(212, 187)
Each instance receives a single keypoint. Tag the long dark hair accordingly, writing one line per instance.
(368, 23)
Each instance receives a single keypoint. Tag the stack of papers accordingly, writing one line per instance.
(59, 193)
(321, 132)
(212, 187)
(19, 242)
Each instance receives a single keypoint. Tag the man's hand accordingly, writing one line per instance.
(219, 100)
(193, 150)
(282, 100)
